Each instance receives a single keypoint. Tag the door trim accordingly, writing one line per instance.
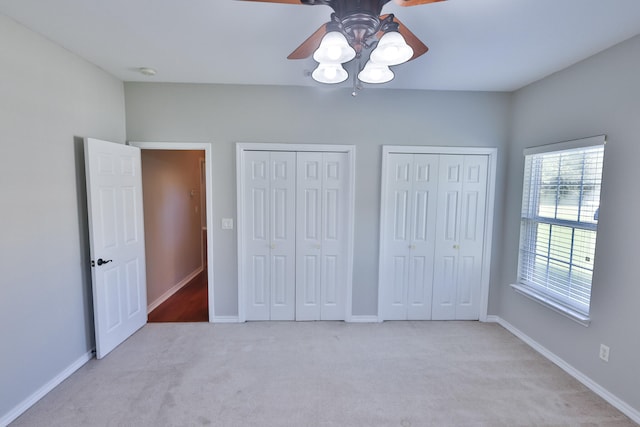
(492, 154)
(207, 148)
(241, 149)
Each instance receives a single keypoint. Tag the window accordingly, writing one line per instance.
(559, 222)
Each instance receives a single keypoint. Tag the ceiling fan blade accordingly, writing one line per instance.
(277, 1)
(416, 44)
(310, 45)
(414, 2)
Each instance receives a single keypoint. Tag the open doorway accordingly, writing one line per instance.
(174, 193)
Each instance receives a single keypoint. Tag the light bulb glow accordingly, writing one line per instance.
(334, 48)
(375, 73)
(329, 73)
(334, 52)
(391, 50)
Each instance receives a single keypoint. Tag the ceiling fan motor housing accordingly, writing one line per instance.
(349, 7)
(358, 27)
(359, 20)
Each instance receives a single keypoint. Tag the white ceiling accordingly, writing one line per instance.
(483, 45)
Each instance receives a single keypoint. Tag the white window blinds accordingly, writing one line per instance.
(560, 207)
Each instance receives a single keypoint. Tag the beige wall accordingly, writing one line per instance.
(172, 217)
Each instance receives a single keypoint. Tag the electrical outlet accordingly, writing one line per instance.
(604, 352)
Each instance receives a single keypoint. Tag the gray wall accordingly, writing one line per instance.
(49, 98)
(224, 114)
(598, 96)
(45, 308)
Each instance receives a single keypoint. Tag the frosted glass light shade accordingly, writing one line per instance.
(391, 50)
(329, 73)
(334, 49)
(375, 73)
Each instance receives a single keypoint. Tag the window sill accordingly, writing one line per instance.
(556, 306)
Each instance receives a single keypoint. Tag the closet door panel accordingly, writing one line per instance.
(321, 236)
(432, 236)
(257, 245)
(396, 252)
(283, 244)
(308, 236)
(474, 194)
(334, 250)
(447, 238)
(423, 228)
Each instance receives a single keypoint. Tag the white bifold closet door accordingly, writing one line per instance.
(433, 231)
(462, 193)
(295, 235)
(321, 252)
(270, 235)
(410, 221)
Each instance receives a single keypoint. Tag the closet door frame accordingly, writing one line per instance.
(492, 154)
(241, 149)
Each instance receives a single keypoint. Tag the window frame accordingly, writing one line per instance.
(541, 293)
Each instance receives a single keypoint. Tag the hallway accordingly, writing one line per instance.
(189, 304)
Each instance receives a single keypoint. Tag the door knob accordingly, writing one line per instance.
(102, 261)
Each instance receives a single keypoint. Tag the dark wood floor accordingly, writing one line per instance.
(189, 304)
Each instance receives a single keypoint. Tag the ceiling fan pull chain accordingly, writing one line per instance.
(355, 75)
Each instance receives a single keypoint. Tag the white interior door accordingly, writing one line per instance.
(334, 235)
(308, 236)
(269, 224)
(283, 240)
(397, 236)
(295, 231)
(258, 239)
(321, 216)
(471, 237)
(460, 237)
(409, 236)
(116, 234)
(423, 230)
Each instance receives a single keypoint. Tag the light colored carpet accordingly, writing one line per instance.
(322, 374)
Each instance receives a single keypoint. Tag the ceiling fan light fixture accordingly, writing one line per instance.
(392, 49)
(329, 73)
(375, 73)
(334, 49)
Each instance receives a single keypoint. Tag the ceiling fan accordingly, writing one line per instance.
(358, 29)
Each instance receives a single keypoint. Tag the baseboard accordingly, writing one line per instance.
(225, 319)
(42, 391)
(354, 319)
(618, 403)
(363, 319)
(162, 298)
(493, 319)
